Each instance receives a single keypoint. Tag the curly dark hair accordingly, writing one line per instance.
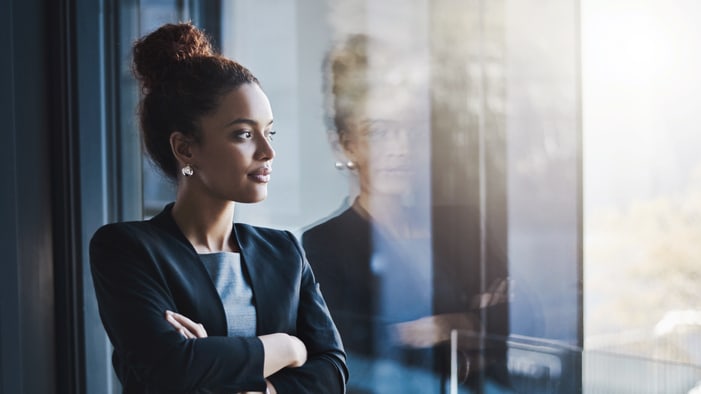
(182, 79)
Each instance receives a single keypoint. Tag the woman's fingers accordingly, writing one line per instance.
(420, 333)
(178, 327)
(431, 330)
(185, 326)
(497, 293)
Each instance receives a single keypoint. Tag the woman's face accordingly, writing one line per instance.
(233, 159)
(378, 144)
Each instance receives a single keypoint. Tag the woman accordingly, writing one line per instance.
(373, 112)
(191, 301)
(374, 259)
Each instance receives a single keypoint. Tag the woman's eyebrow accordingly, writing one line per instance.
(247, 121)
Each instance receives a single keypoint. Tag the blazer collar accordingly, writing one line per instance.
(165, 220)
(250, 256)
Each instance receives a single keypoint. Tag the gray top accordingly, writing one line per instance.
(234, 290)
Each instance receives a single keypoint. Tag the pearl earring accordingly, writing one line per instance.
(350, 165)
(187, 170)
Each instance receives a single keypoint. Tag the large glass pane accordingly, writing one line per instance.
(428, 158)
(542, 108)
(641, 185)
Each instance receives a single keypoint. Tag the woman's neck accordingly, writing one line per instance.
(205, 222)
(384, 211)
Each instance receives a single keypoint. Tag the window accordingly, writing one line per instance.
(487, 174)
(641, 192)
(491, 158)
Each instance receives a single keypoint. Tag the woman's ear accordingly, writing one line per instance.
(181, 146)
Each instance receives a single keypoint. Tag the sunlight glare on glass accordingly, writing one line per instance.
(634, 43)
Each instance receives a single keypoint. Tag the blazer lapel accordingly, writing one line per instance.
(206, 303)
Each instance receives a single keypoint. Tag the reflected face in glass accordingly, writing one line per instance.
(233, 159)
(380, 150)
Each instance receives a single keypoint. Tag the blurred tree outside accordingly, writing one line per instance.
(643, 265)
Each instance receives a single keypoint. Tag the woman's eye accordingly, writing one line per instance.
(270, 135)
(244, 134)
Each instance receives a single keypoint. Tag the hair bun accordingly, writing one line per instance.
(157, 53)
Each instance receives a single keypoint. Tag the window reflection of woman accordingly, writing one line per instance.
(373, 259)
(369, 104)
(192, 301)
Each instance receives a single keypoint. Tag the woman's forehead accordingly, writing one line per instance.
(248, 101)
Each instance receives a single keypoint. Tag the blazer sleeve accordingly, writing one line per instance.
(132, 297)
(325, 370)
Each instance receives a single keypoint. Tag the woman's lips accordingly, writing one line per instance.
(261, 175)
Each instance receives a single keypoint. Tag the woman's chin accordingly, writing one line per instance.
(391, 188)
(251, 198)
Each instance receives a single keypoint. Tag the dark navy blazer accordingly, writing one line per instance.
(142, 269)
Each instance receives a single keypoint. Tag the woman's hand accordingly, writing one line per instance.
(497, 293)
(185, 326)
(282, 351)
(431, 330)
(299, 351)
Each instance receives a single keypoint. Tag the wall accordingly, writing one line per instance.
(26, 273)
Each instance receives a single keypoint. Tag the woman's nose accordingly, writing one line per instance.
(265, 149)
